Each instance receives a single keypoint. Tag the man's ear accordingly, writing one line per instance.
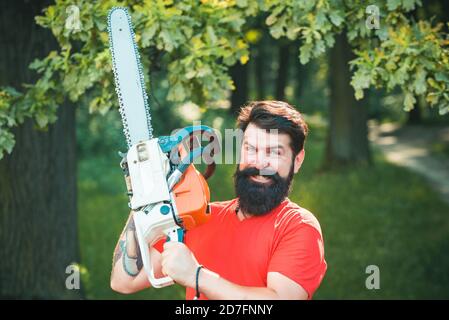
(298, 160)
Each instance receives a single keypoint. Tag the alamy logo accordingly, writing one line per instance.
(73, 21)
(373, 20)
(72, 282)
(373, 280)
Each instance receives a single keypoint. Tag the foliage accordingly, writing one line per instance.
(414, 57)
(9, 117)
(197, 42)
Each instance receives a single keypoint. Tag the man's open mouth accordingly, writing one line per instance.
(260, 179)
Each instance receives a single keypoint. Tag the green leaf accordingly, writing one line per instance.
(292, 32)
(361, 80)
(176, 93)
(241, 3)
(148, 34)
(319, 48)
(320, 20)
(409, 101)
(37, 64)
(352, 34)
(382, 32)
(409, 4)
(41, 119)
(330, 40)
(390, 65)
(169, 44)
(211, 34)
(7, 142)
(272, 18)
(359, 94)
(336, 18)
(434, 84)
(305, 52)
(400, 76)
(439, 76)
(277, 30)
(432, 98)
(443, 109)
(204, 71)
(393, 4)
(191, 74)
(420, 84)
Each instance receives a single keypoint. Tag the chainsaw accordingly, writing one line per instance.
(167, 194)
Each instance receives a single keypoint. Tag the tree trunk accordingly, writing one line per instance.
(300, 74)
(282, 76)
(347, 140)
(38, 212)
(415, 115)
(239, 96)
(260, 68)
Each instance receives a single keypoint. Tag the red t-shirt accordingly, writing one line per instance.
(287, 240)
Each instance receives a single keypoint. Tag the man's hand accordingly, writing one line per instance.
(179, 263)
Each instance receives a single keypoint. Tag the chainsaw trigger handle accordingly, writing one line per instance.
(176, 234)
(152, 223)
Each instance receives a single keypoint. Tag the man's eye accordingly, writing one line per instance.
(275, 152)
(250, 148)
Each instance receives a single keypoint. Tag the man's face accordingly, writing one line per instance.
(266, 169)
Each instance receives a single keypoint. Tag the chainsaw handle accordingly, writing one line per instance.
(171, 143)
(173, 234)
(209, 170)
(150, 227)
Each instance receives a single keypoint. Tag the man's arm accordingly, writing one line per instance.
(127, 252)
(180, 264)
(278, 287)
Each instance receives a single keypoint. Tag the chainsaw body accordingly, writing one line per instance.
(166, 198)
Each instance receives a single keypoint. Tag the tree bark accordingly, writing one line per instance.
(38, 210)
(239, 96)
(347, 139)
(282, 76)
(415, 115)
(260, 68)
(300, 74)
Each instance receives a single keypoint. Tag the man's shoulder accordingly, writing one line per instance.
(293, 215)
(218, 207)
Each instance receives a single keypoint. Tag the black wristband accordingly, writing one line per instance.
(197, 295)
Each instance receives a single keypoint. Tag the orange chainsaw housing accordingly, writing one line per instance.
(192, 196)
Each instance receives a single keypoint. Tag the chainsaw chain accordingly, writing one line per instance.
(117, 83)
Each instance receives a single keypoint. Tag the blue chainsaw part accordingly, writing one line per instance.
(165, 209)
(187, 160)
(168, 143)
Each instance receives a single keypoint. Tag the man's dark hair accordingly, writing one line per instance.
(275, 115)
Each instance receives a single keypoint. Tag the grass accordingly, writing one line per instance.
(381, 215)
(440, 149)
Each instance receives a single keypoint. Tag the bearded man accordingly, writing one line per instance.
(260, 245)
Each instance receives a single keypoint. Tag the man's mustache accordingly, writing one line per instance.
(252, 171)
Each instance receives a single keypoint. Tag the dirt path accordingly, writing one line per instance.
(410, 147)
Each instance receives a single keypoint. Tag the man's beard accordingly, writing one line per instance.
(260, 198)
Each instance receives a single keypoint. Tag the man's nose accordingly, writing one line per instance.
(261, 161)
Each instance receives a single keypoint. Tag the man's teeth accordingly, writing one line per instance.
(261, 178)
